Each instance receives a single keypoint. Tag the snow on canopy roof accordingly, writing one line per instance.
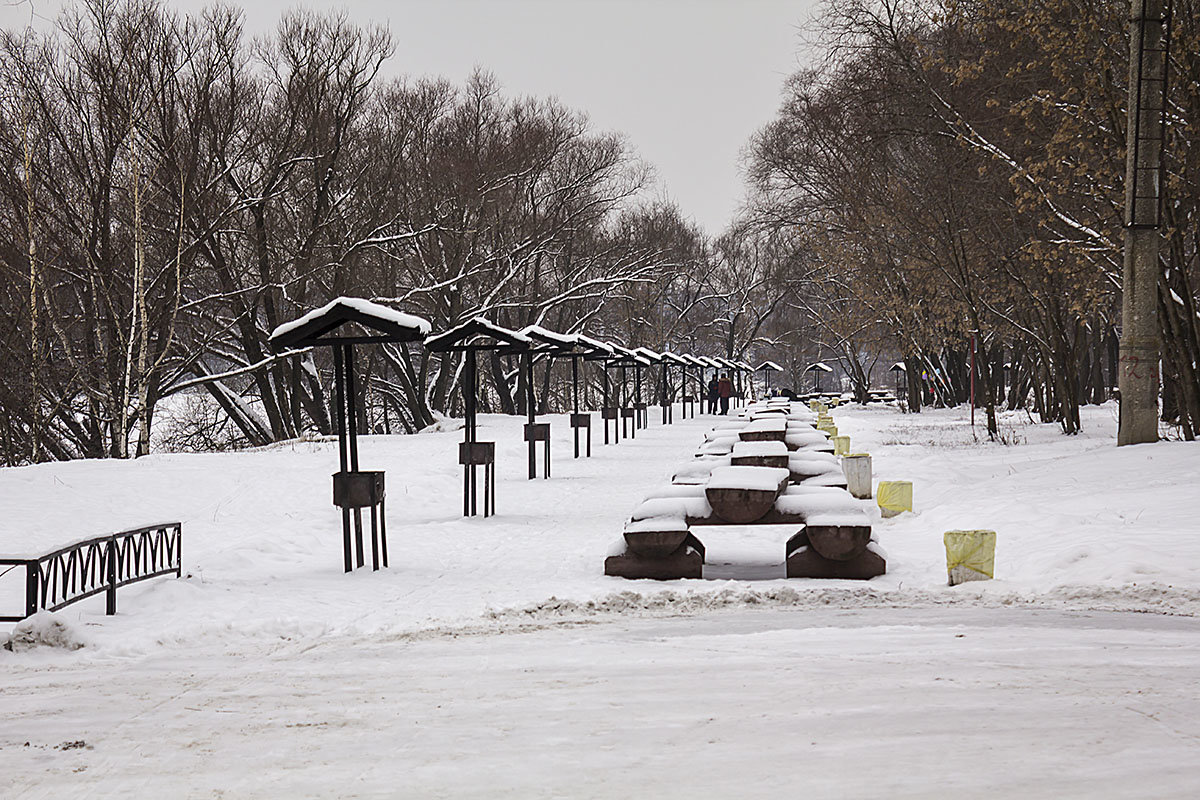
(547, 336)
(743, 365)
(647, 353)
(380, 318)
(619, 350)
(818, 366)
(708, 361)
(769, 365)
(692, 360)
(674, 359)
(593, 344)
(476, 326)
(899, 365)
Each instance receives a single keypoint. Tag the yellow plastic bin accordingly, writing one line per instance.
(970, 555)
(894, 497)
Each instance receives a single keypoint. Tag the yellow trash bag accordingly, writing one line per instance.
(841, 445)
(970, 555)
(894, 497)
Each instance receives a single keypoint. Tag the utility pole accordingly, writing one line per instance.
(1144, 176)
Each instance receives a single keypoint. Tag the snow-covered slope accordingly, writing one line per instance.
(1079, 521)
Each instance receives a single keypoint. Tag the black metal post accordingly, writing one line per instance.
(339, 381)
(470, 507)
(529, 417)
(33, 571)
(110, 593)
(352, 424)
(575, 398)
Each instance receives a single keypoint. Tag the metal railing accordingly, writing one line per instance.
(104, 564)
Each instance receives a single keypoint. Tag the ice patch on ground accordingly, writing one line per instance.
(43, 629)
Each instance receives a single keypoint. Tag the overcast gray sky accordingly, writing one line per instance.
(688, 81)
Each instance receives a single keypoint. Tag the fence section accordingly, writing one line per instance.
(104, 564)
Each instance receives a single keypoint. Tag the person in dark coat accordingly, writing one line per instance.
(713, 394)
(725, 390)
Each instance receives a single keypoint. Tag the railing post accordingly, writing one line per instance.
(110, 606)
(179, 551)
(32, 578)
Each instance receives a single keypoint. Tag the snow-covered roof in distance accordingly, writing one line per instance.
(386, 323)
(617, 349)
(477, 327)
(692, 360)
(743, 365)
(560, 341)
(595, 345)
(647, 353)
(674, 359)
(818, 366)
(770, 366)
(709, 361)
(899, 365)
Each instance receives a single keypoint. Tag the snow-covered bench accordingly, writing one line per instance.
(736, 480)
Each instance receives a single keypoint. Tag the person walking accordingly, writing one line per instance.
(713, 394)
(725, 390)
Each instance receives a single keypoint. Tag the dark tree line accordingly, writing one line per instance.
(954, 169)
(172, 190)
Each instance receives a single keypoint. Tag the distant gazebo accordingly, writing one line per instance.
(469, 338)
(818, 369)
(766, 368)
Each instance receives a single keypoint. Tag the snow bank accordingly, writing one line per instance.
(43, 629)
(443, 424)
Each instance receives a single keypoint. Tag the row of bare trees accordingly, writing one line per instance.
(173, 190)
(952, 171)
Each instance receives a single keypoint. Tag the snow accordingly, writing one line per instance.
(796, 438)
(818, 366)
(770, 366)
(761, 479)
(487, 326)
(684, 506)
(43, 629)
(493, 659)
(594, 344)
(759, 449)
(766, 425)
(545, 334)
(648, 354)
(363, 307)
(656, 525)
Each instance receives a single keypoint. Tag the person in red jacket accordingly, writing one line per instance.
(725, 389)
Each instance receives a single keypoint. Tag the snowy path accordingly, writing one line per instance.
(751, 703)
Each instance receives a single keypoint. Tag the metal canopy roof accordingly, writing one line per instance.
(479, 334)
(382, 324)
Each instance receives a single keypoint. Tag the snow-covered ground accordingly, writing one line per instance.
(495, 659)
